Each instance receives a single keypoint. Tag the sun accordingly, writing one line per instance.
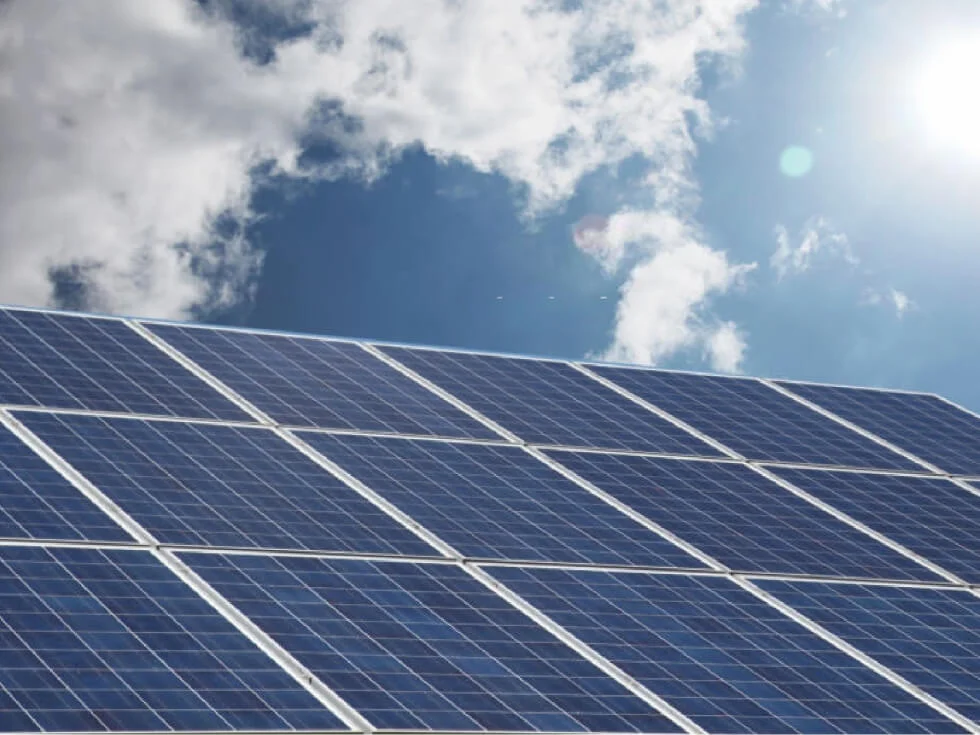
(946, 94)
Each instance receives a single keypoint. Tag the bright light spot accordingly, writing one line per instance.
(946, 96)
(796, 161)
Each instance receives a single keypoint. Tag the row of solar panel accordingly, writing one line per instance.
(61, 361)
(205, 484)
(112, 640)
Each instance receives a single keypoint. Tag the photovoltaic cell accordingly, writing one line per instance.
(415, 646)
(97, 641)
(740, 518)
(498, 502)
(549, 402)
(315, 382)
(726, 659)
(222, 486)
(61, 361)
(754, 420)
(923, 425)
(931, 516)
(929, 636)
(38, 503)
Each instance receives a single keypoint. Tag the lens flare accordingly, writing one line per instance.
(796, 161)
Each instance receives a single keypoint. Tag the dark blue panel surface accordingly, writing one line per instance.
(221, 485)
(755, 420)
(414, 646)
(498, 502)
(315, 382)
(932, 517)
(720, 655)
(549, 402)
(63, 361)
(36, 502)
(107, 641)
(923, 425)
(931, 637)
(740, 518)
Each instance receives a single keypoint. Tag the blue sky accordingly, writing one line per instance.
(520, 176)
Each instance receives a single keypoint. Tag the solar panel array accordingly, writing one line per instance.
(217, 530)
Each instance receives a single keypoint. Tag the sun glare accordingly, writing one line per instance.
(947, 94)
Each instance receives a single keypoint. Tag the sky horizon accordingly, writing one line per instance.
(778, 188)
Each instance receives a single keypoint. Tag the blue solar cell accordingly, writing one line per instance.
(221, 485)
(755, 420)
(497, 502)
(929, 636)
(550, 403)
(38, 503)
(314, 382)
(931, 516)
(62, 361)
(923, 425)
(415, 646)
(723, 657)
(111, 640)
(740, 518)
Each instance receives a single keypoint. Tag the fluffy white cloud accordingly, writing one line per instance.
(898, 301)
(818, 8)
(663, 302)
(725, 348)
(128, 129)
(817, 236)
(132, 131)
(665, 295)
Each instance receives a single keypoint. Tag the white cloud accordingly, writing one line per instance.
(127, 130)
(818, 8)
(892, 298)
(663, 303)
(817, 236)
(130, 129)
(725, 348)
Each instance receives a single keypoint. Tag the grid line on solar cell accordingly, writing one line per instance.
(415, 646)
(926, 426)
(753, 419)
(720, 655)
(213, 485)
(319, 383)
(497, 502)
(36, 502)
(932, 517)
(931, 637)
(546, 402)
(58, 361)
(111, 640)
(740, 518)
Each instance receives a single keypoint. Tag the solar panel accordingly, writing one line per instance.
(61, 361)
(550, 403)
(414, 646)
(97, 641)
(720, 655)
(314, 382)
(99, 634)
(221, 486)
(755, 420)
(929, 636)
(923, 425)
(498, 502)
(931, 516)
(38, 503)
(740, 518)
